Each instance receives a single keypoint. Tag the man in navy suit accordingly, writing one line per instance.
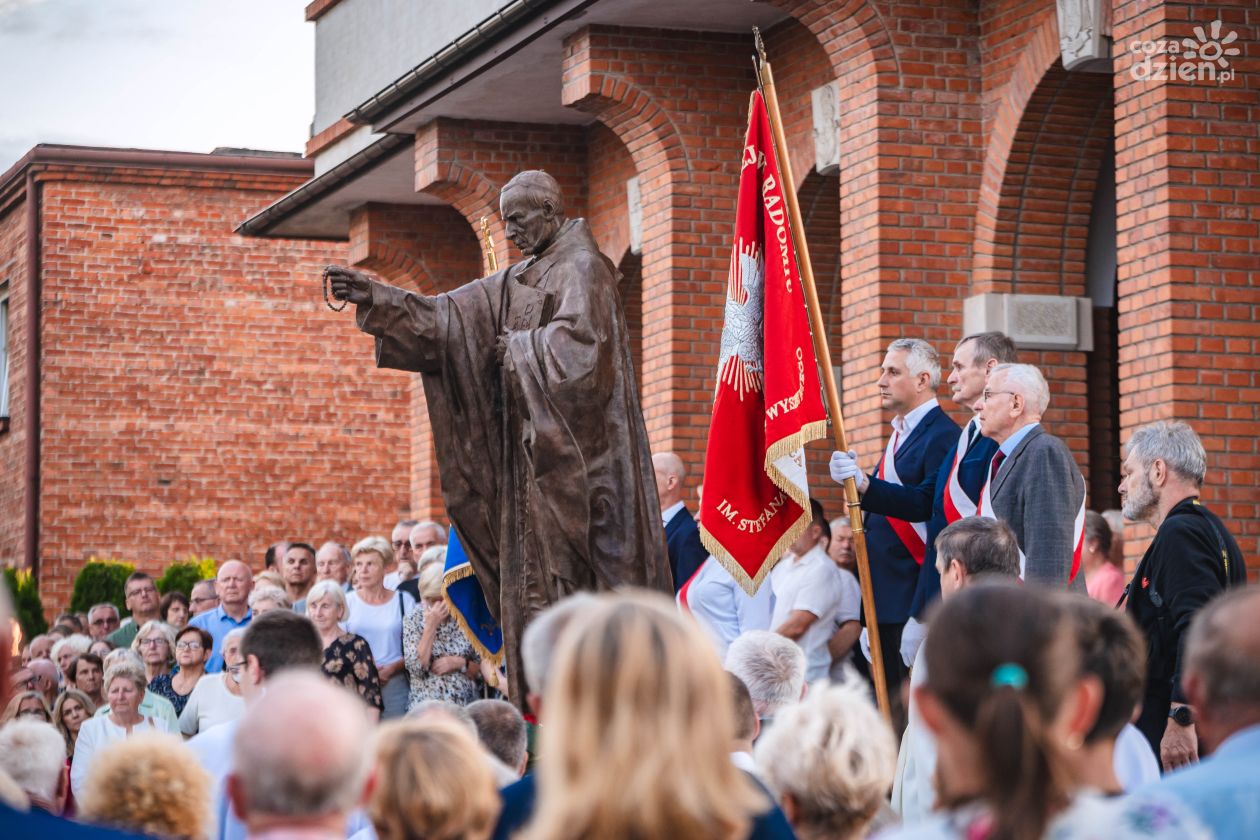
(682, 535)
(922, 435)
(953, 491)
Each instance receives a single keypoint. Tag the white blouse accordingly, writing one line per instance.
(98, 733)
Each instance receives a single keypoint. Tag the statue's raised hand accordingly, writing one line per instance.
(348, 284)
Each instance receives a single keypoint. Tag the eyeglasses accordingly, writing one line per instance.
(398, 544)
(987, 394)
(205, 598)
(143, 590)
(154, 642)
(188, 645)
(39, 713)
(103, 622)
(234, 671)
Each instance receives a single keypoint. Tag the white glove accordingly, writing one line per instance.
(844, 466)
(911, 637)
(864, 642)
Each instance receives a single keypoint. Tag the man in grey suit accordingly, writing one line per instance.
(1034, 484)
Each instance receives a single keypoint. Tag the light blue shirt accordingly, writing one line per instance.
(213, 749)
(722, 607)
(1008, 445)
(1223, 790)
(218, 624)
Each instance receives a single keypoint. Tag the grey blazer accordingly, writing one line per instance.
(1038, 491)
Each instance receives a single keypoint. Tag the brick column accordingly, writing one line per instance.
(1188, 194)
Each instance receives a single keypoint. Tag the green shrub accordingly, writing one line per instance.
(101, 581)
(26, 602)
(182, 574)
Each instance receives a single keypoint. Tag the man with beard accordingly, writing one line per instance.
(1191, 560)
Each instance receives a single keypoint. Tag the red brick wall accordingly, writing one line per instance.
(197, 394)
(13, 443)
(1188, 193)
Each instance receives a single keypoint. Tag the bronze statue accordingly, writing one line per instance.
(540, 441)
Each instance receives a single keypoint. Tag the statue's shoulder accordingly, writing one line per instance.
(581, 252)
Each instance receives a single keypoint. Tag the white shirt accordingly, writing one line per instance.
(811, 583)
(381, 625)
(670, 512)
(94, 735)
(850, 609)
(904, 426)
(913, 794)
(723, 609)
(1134, 760)
(213, 748)
(210, 704)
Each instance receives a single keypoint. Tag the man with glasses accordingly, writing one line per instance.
(400, 539)
(203, 598)
(103, 619)
(143, 601)
(1033, 483)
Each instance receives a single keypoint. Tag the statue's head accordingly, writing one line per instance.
(532, 210)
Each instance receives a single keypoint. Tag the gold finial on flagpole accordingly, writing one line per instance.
(491, 260)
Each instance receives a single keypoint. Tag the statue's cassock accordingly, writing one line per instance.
(544, 459)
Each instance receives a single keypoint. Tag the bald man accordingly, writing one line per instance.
(234, 583)
(682, 536)
(289, 780)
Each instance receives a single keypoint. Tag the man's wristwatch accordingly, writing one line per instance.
(1181, 715)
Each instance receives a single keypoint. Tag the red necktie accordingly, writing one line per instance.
(997, 464)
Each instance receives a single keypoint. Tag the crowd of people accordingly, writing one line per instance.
(333, 694)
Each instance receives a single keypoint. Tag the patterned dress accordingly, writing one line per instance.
(161, 685)
(348, 661)
(455, 687)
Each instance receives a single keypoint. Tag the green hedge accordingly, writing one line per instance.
(101, 581)
(182, 574)
(26, 602)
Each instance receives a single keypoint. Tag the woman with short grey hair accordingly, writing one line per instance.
(347, 656)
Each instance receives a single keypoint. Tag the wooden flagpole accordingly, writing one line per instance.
(823, 353)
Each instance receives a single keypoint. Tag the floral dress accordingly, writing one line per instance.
(455, 687)
(162, 686)
(348, 661)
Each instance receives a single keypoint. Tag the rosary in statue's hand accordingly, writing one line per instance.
(347, 285)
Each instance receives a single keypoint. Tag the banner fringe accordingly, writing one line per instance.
(465, 570)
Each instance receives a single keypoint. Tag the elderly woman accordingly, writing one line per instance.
(73, 708)
(266, 597)
(432, 781)
(217, 697)
(64, 651)
(124, 689)
(87, 674)
(347, 657)
(830, 759)
(27, 704)
(151, 784)
(377, 614)
(101, 648)
(192, 652)
(440, 660)
(155, 642)
(174, 609)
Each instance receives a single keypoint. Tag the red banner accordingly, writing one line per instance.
(768, 401)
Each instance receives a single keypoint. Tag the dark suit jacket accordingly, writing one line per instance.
(894, 572)
(1180, 572)
(686, 552)
(926, 501)
(1038, 492)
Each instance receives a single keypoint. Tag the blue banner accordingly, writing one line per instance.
(468, 603)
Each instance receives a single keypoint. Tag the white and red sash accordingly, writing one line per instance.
(913, 535)
(958, 504)
(1078, 527)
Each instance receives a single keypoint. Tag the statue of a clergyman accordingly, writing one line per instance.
(540, 441)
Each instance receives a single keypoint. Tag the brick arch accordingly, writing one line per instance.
(1035, 59)
(424, 248)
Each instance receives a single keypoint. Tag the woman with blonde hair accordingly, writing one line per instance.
(433, 781)
(376, 614)
(26, 704)
(643, 734)
(155, 643)
(72, 709)
(441, 662)
(150, 784)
